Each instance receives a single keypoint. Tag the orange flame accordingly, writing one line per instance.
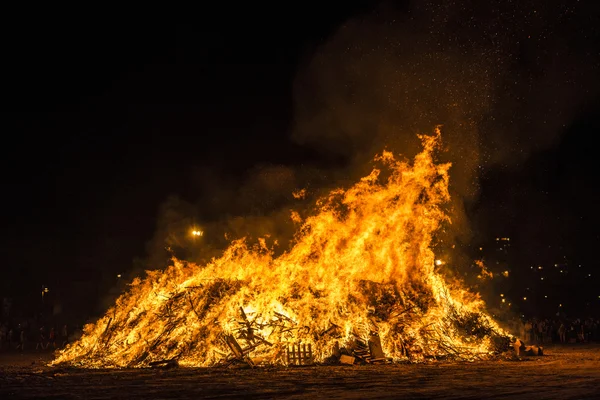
(361, 265)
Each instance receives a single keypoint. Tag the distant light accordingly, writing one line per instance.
(560, 305)
(542, 278)
(504, 300)
(481, 248)
(505, 273)
(531, 267)
(547, 297)
(501, 294)
(197, 233)
(540, 267)
(524, 298)
(589, 274)
(438, 262)
(561, 271)
(119, 275)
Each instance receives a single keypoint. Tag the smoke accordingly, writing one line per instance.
(503, 79)
(257, 204)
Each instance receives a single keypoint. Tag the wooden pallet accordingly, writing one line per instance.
(300, 354)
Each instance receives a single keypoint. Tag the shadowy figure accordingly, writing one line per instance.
(51, 339)
(21, 345)
(41, 339)
(64, 335)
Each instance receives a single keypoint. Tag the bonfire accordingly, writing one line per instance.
(358, 283)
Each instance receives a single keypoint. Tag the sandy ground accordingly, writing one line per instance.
(565, 372)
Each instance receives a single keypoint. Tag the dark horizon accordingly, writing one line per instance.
(119, 130)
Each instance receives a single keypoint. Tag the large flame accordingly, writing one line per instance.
(362, 265)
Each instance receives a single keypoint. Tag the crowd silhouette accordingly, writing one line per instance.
(28, 336)
(557, 330)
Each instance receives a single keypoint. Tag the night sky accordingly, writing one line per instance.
(122, 133)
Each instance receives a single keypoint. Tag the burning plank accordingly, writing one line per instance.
(346, 359)
(239, 353)
(375, 349)
(522, 350)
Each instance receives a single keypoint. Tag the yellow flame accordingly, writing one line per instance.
(485, 273)
(299, 194)
(362, 265)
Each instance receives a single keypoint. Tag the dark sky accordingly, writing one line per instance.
(107, 118)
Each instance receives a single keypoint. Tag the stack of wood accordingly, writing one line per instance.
(245, 341)
(365, 352)
(247, 332)
(400, 309)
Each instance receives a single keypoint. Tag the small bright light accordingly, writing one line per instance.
(505, 273)
(438, 262)
(542, 278)
(118, 276)
(540, 267)
(501, 294)
(547, 297)
(524, 298)
(560, 305)
(197, 233)
(504, 300)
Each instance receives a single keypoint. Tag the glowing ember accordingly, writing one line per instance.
(361, 267)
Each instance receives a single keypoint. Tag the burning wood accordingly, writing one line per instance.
(344, 359)
(375, 349)
(522, 350)
(300, 354)
(357, 285)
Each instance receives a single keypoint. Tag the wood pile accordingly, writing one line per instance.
(286, 343)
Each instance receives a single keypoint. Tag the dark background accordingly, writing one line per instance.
(110, 123)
